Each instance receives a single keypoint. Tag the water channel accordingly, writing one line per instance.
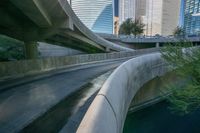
(158, 119)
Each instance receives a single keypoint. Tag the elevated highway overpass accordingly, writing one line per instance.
(147, 41)
(52, 21)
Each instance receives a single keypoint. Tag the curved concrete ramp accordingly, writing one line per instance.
(38, 20)
(108, 111)
(88, 33)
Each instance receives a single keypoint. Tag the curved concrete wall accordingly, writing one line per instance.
(27, 67)
(88, 33)
(108, 111)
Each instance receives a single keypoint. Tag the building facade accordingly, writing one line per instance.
(192, 17)
(97, 15)
(162, 17)
(126, 10)
(116, 25)
(159, 16)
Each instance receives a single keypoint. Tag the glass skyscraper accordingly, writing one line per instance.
(97, 15)
(192, 16)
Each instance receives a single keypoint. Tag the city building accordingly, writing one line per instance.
(97, 15)
(162, 17)
(126, 10)
(159, 16)
(116, 25)
(192, 17)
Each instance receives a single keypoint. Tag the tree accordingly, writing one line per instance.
(179, 31)
(186, 60)
(126, 27)
(138, 27)
(129, 27)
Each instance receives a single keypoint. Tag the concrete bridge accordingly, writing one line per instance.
(52, 21)
(36, 86)
(29, 88)
(108, 111)
(142, 40)
(124, 89)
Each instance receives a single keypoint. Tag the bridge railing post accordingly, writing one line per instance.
(31, 50)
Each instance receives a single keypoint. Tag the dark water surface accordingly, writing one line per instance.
(159, 119)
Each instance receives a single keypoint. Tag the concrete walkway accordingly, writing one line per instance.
(20, 105)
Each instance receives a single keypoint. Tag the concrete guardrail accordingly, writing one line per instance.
(28, 67)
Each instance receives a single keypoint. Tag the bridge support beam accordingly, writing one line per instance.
(31, 50)
(157, 45)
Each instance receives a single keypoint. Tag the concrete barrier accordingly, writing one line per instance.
(27, 67)
(108, 111)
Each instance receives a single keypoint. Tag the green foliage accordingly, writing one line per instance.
(186, 60)
(179, 31)
(129, 27)
(185, 100)
(11, 49)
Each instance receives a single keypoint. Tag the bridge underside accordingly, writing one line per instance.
(17, 22)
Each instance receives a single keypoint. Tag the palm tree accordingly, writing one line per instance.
(129, 27)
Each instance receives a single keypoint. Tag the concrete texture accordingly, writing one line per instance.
(85, 31)
(22, 104)
(89, 95)
(36, 20)
(49, 50)
(118, 92)
(28, 67)
(155, 91)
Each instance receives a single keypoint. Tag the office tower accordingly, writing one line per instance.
(192, 17)
(162, 16)
(159, 16)
(126, 10)
(97, 15)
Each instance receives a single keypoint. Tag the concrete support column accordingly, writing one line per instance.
(157, 45)
(31, 50)
(107, 49)
(70, 24)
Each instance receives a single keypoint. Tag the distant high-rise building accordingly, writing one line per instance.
(97, 15)
(159, 16)
(162, 16)
(192, 16)
(126, 10)
(140, 8)
(116, 25)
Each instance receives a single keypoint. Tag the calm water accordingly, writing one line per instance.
(158, 119)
